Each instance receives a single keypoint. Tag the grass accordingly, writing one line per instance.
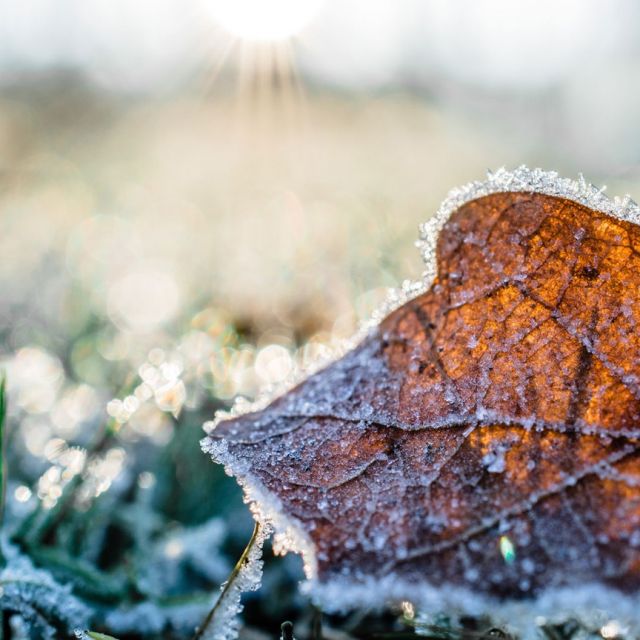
(229, 586)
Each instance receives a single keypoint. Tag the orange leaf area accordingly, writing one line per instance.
(486, 434)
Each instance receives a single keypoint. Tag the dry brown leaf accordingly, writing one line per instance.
(485, 437)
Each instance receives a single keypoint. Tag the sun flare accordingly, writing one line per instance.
(263, 20)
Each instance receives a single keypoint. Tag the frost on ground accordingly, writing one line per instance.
(154, 620)
(478, 450)
(34, 601)
(191, 551)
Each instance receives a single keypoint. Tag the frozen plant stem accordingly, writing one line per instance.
(233, 576)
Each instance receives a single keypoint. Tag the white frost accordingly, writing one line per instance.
(593, 605)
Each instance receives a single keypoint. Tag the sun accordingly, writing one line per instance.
(263, 20)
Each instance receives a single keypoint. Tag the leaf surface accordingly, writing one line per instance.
(486, 434)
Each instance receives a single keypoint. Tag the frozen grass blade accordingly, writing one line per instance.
(219, 623)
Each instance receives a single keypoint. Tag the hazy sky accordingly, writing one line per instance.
(151, 45)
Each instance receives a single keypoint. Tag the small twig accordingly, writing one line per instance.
(232, 578)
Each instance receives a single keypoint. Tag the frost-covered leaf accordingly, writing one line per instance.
(482, 442)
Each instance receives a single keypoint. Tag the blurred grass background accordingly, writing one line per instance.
(187, 216)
